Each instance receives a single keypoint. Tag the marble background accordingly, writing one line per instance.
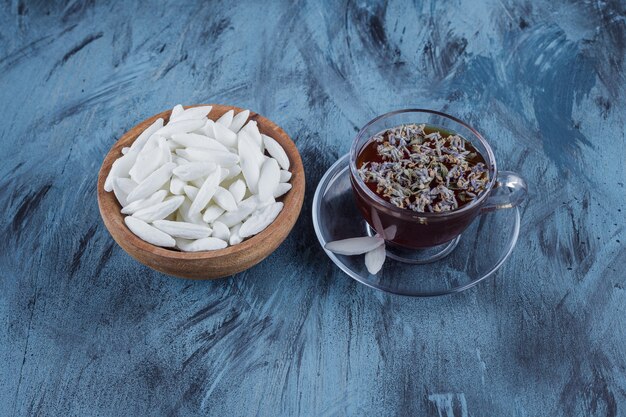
(85, 330)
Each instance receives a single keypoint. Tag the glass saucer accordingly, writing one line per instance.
(454, 267)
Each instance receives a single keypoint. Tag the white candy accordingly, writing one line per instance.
(194, 140)
(282, 189)
(245, 208)
(190, 191)
(251, 173)
(220, 231)
(152, 142)
(194, 170)
(268, 179)
(192, 113)
(187, 216)
(233, 171)
(224, 199)
(147, 161)
(159, 211)
(212, 212)
(178, 160)
(141, 140)
(250, 147)
(176, 111)
(208, 243)
(206, 192)
(155, 198)
(182, 126)
(252, 129)
(122, 197)
(225, 159)
(234, 235)
(263, 204)
(177, 186)
(238, 190)
(224, 135)
(183, 229)
(126, 185)
(276, 151)
(249, 162)
(285, 175)
(199, 184)
(239, 120)
(226, 119)
(260, 219)
(120, 168)
(375, 259)
(149, 233)
(225, 174)
(172, 146)
(151, 184)
(166, 154)
(207, 129)
(355, 245)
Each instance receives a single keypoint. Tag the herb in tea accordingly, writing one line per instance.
(422, 168)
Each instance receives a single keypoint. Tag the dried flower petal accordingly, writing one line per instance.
(423, 171)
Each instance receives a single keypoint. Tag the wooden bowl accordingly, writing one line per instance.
(208, 264)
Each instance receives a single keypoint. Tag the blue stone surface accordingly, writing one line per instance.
(85, 330)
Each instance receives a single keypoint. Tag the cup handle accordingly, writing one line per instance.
(509, 191)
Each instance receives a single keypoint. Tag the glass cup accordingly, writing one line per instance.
(413, 230)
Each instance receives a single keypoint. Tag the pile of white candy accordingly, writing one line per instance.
(196, 184)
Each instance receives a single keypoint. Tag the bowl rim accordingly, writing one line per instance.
(293, 198)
